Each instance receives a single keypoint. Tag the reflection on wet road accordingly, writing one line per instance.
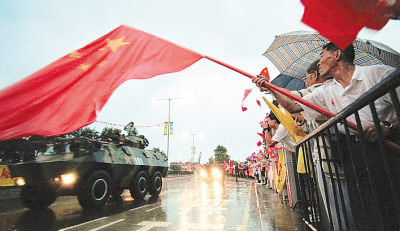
(186, 203)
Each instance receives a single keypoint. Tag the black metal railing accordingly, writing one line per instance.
(352, 183)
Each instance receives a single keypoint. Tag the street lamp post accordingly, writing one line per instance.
(193, 149)
(169, 120)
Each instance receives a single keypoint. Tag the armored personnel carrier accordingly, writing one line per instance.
(92, 170)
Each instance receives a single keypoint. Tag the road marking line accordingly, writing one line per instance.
(245, 220)
(151, 224)
(258, 206)
(71, 227)
(109, 224)
(198, 226)
(12, 212)
(154, 208)
(139, 207)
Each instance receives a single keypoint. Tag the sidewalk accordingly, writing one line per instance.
(277, 212)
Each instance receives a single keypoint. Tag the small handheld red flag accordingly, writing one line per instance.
(262, 135)
(246, 93)
(265, 73)
(258, 102)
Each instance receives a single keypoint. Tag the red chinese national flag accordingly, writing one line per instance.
(69, 93)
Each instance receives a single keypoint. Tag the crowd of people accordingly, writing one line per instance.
(250, 169)
(333, 82)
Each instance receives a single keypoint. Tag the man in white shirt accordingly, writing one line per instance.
(348, 84)
(281, 134)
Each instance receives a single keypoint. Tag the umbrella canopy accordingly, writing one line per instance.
(293, 52)
(289, 82)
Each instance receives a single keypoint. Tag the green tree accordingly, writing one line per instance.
(221, 154)
(85, 132)
(107, 132)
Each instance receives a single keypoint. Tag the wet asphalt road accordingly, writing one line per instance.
(186, 203)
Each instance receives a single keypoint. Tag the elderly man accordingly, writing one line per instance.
(348, 84)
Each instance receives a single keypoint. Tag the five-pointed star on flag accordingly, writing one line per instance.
(84, 66)
(116, 43)
(75, 54)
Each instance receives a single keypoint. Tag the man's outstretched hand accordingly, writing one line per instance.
(259, 81)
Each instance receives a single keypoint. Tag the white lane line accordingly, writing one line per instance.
(139, 207)
(245, 220)
(152, 224)
(109, 224)
(13, 212)
(71, 227)
(154, 208)
(258, 206)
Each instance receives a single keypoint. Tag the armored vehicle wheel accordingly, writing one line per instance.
(94, 191)
(155, 183)
(140, 185)
(37, 197)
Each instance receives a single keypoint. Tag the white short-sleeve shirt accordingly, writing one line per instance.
(282, 136)
(334, 97)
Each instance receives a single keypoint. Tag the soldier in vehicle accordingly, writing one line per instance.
(131, 133)
(130, 129)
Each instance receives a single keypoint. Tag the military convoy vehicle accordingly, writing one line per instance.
(92, 170)
(212, 172)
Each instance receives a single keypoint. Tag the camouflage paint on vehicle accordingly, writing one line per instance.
(82, 157)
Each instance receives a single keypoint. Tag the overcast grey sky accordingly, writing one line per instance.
(35, 33)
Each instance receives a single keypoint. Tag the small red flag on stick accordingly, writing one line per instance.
(246, 93)
(258, 102)
(265, 73)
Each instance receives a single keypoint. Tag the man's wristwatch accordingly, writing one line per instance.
(388, 125)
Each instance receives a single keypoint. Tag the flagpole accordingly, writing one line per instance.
(294, 97)
(273, 87)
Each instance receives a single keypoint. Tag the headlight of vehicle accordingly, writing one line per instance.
(19, 181)
(203, 173)
(68, 178)
(216, 174)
